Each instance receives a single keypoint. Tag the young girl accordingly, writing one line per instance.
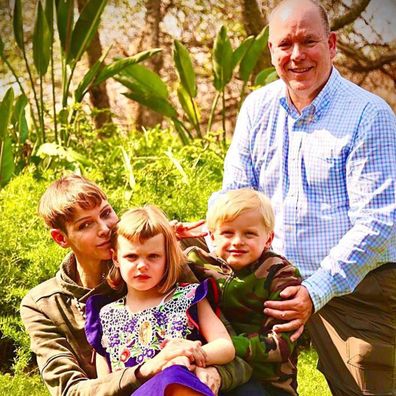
(157, 316)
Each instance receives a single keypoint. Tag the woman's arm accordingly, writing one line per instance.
(102, 368)
(219, 348)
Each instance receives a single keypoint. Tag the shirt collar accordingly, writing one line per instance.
(319, 104)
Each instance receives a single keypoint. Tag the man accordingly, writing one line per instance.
(324, 151)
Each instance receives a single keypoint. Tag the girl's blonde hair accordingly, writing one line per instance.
(140, 224)
(235, 202)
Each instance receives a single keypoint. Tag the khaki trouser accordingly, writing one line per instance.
(355, 336)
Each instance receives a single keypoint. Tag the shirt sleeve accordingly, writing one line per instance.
(370, 180)
(268, 346)
(59, 366)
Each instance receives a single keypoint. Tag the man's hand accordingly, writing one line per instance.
(188, 230)
(296, 308)
(209, 376)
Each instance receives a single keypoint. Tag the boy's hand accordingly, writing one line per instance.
(296, 309)
(184, 230)
(210, 377)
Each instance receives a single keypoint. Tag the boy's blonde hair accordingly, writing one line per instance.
(62, 197)
(235, 202)
(140, 224)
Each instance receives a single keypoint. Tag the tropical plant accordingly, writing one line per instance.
(146, 87)
(74, 40)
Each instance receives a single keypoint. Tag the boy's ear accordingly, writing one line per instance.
(269, 240)
(59, 237)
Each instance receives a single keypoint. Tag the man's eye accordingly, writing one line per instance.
(284, 45)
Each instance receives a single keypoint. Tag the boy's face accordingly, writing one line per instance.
(88, 233)
(242, 241)
(142, 264)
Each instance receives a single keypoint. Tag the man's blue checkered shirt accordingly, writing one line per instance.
(330, 173)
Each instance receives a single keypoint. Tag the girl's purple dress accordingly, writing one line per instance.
(127, 339)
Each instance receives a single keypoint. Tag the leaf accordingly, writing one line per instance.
(6, 161)
(49, 14)
(160, 105)
(41, 41)
(222, 60)
(128, 168)
(145, 80)
(253, 53)
(261, 78)
(17, 22)
(85, 28)
(187, 105)
(272, 77)
(184, 68)
(6, 112)
(19, 118)
(178, 166)
(65, 19)
(1, 48)
(87, 81)
(240, 52)
(119, 65)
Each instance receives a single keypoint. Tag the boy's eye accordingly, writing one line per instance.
(251, 234)
(131, 257)
(226, 233)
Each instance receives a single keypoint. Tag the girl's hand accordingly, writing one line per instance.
(181, 361)
(210, 377)
(173, 348)
(184, 230)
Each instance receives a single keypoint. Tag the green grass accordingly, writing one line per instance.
(310, 381)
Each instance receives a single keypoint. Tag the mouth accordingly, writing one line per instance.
(237, 252)
(141, 277)
(300, 70)
(105, 244)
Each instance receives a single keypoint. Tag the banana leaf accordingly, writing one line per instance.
(41, 42)
(222, 60)
(184, 68)
(17, 22)
(65, 20)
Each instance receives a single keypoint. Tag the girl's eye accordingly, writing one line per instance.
(226, 233)
(154, 256)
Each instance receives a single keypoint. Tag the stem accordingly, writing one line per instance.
(197, 127)
(212, 111)
(223, 117)
(42, 109)
(53, 94)
(33, 86)
(21, 88)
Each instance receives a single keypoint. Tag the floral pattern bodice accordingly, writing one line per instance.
(132, 338)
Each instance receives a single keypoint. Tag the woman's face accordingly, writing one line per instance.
(142, 264)
(88, 233)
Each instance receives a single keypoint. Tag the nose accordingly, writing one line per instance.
(237, 240)
(141, 264)
(297, 52)
(105, 228)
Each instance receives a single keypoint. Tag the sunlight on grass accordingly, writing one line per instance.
(311, 382)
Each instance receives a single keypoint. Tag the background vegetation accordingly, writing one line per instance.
(183, 68)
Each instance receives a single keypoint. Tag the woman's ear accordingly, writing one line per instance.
(59, 237)
(269, 240)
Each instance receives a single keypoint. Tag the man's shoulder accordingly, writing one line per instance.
(268, 94)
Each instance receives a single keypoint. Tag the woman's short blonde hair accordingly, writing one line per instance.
(140, 224)
(235, 202)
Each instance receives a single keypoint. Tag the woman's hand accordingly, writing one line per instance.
(181, 361)
(173, 348)
(210, 377)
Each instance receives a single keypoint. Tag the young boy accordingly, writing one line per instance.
(80, 218)
(247, 272)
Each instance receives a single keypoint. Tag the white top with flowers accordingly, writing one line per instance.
(134, 338)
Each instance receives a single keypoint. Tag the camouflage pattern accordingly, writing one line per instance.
(242, 294)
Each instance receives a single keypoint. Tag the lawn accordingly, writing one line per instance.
(311, 381)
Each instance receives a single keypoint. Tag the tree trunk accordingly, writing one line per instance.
(253, 22)
(151, 38)
(98, 95)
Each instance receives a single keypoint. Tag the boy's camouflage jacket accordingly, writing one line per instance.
(242, 295)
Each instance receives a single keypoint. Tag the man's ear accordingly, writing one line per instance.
(59, 237)
(269, 240)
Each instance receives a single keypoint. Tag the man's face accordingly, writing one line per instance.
(243, 240)
(88, 233)
(301, 50)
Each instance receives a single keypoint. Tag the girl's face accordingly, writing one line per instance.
(142, 265)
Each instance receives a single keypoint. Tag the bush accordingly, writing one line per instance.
(177, 178)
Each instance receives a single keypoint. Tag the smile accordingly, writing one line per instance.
(142, 277)
(300, 70)
(105, 244)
